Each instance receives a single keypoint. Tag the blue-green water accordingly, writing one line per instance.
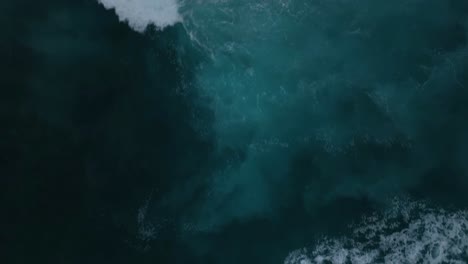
(221, 131)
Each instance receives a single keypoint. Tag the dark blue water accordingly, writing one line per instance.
(234, 131)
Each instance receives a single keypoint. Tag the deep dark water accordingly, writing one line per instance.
(94, 123)
(85, 134)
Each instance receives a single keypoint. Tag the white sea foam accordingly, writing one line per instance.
(139, 14)
(409, 233)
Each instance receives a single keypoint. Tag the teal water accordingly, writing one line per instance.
(219, 131)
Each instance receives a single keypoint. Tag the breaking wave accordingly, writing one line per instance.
(139, 14)
(410, 232)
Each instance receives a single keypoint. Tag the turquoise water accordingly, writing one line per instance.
(220, 131)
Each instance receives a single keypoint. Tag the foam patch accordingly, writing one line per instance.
(409, 233)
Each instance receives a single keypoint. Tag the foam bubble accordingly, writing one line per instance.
(409, 233)
(139, 14)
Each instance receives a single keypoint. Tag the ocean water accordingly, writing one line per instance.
(222, 131)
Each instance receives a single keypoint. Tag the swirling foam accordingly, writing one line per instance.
(409, 233)
(139, 14)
